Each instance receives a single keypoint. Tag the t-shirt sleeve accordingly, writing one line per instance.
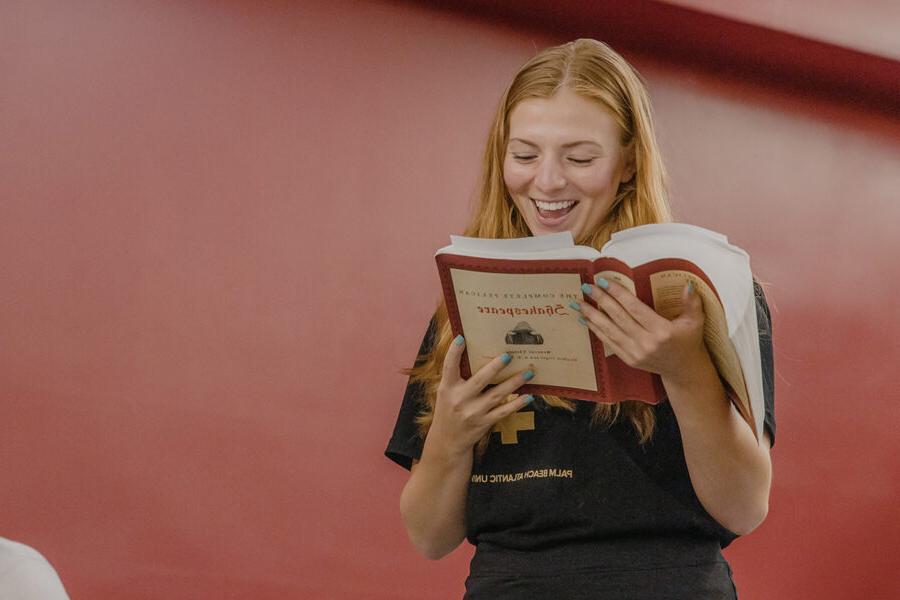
(764, 323)
(405, 443)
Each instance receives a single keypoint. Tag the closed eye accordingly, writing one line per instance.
(581, 161)
(524, 156)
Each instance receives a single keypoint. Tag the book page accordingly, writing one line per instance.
(528, 316)
(625, 282)
(554, 241)
(667, 287)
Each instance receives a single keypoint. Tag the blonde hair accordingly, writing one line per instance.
(595, 71)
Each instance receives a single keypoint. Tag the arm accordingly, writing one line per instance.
(730, 472)
(433, 500)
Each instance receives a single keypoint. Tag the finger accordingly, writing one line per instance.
(508, 408)
(603, 321)
(611, 307)
(510, 385)
(501, 393)
(642, 314)
(486, 374)
(617, 346)
(450, 371)
(604, 327)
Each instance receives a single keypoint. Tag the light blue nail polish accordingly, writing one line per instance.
(582, 321)
(586, 288)
(505, 358)
(574, 305)
(528, 375)
(690, 287)
(459, 340)
(528, 399)
(602, 282)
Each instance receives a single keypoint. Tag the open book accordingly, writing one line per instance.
(513, 295)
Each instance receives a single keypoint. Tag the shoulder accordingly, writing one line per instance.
(760, 293)
(764, 317)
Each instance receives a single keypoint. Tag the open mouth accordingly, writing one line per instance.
(554, 211)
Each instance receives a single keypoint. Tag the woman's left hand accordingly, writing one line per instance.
(641, 337)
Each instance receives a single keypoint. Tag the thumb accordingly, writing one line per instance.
(691, 303)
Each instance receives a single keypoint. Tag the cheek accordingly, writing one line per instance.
(596, 184)
(515, 177)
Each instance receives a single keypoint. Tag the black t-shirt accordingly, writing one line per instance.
(556, 481)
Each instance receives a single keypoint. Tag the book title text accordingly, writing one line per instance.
(558, 310)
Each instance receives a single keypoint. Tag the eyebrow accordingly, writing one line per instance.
(569, 145)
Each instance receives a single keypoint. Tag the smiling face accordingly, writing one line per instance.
(564, 163)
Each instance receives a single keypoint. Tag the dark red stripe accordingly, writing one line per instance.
(696, 39)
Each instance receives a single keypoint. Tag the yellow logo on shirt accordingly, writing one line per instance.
(510, 427)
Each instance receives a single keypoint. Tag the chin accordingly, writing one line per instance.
(541, 229)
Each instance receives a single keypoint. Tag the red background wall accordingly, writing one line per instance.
(216, 229)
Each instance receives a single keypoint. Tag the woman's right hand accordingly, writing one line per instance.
(464, 411)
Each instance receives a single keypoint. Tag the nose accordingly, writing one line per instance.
(550, 177)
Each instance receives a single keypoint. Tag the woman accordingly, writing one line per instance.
(589, 500)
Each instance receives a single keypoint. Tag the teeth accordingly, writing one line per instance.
(554, 205)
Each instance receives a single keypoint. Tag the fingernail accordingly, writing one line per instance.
(528, 399)
(506, 358)
(602, 282)
(586, 288)
(582, 321)
(528, 375)
(690, 287)
(574, 305)
(459, 340)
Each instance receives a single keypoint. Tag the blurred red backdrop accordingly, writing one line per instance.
(217, 222)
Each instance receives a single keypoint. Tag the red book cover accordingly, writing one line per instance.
(522, 307)
(516, 298)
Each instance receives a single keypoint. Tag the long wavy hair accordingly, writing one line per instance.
(595, 71)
